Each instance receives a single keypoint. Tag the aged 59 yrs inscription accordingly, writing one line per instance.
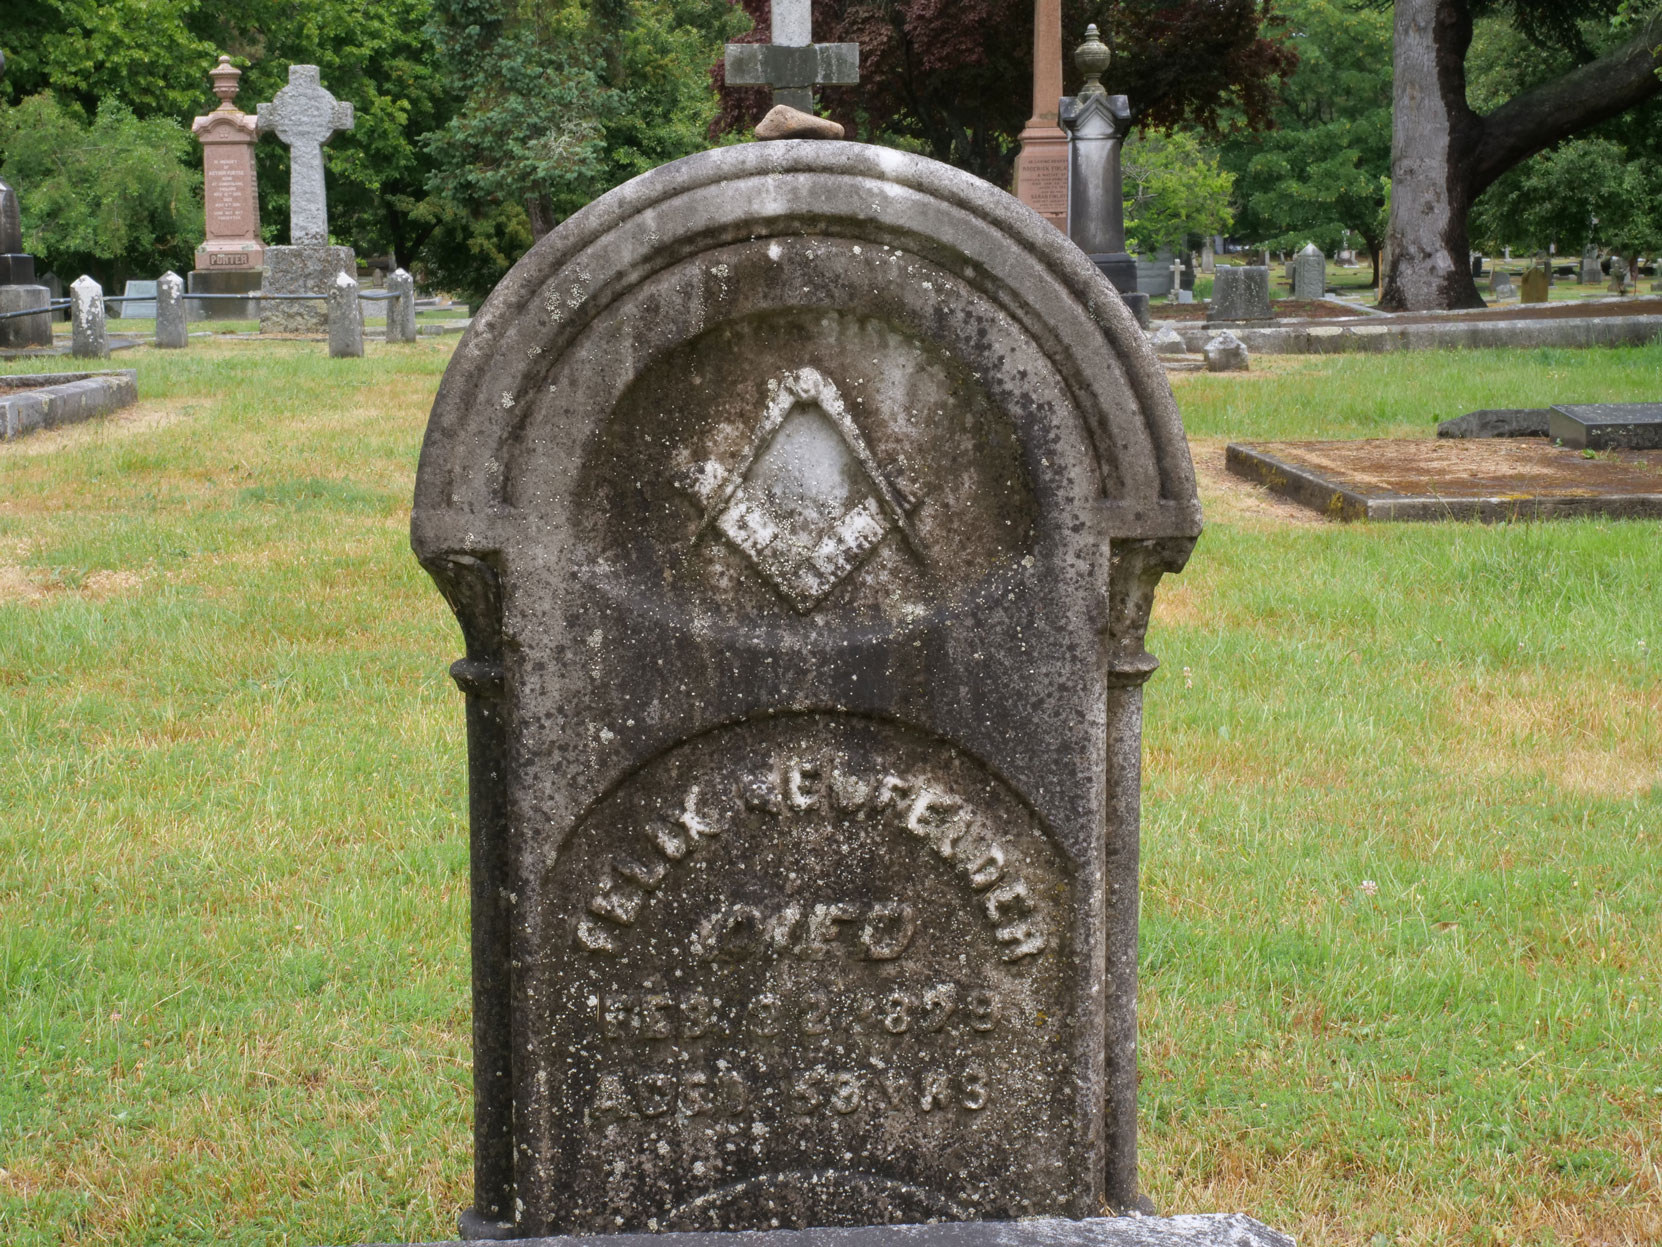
(813, 949)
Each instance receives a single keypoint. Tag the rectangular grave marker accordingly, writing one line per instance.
(803, 573)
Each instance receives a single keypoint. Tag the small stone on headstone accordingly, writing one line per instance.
(785, 122)
(1226, 353)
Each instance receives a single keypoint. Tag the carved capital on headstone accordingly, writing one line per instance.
(1134, 571)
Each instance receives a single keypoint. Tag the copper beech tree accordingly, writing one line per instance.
(957, 75)
(1444, 154)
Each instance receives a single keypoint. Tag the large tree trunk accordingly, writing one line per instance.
(1432, 137)
(1443, 155)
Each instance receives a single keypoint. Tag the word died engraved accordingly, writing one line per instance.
(807, 502)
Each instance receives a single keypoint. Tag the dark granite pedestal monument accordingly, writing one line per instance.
(802, 506)
(1096, 124)
(19, 291)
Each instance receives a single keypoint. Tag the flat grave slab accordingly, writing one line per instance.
(1607, 426)
(1440, 479)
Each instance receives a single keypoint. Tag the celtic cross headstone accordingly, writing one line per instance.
(305, 116)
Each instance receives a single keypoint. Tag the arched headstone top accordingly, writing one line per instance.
(977, 255)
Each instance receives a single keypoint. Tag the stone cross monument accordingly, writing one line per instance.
(304, 115)
(1042, 165)
(802, 506)
(793, 64)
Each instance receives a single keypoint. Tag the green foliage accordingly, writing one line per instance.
(115, 198)
(1174, 187)
(1324, 169)
(1588, 190)
(139, 51)
(557, 105)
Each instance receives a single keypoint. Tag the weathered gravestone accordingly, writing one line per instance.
(1501, 287)
(304, 115)
(137, 302)
(802, 505)
(1241, 296)
(172, 326)
(1310, 273)
(1591, 271)
(1536, 287)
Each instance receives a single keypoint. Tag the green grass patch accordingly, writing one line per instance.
(1402, 923)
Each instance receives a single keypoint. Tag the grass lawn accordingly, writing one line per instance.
(1402, 929)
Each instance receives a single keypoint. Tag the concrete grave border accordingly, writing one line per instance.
(49, 399)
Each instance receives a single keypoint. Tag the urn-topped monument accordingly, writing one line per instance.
(802, 506)
(231, 255)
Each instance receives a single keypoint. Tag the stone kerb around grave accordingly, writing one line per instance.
(802, 505)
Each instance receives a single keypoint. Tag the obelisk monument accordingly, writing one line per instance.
(1042, 166)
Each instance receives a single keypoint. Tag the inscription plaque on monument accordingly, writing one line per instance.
(802, 504)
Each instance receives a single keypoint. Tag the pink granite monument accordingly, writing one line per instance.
(1042, 165)
(230, 259)
(228, 190)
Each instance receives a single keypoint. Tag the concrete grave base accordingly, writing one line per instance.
(1205, 1230)
(228, 281)
(1461, 479)
(1601, 322)
(46, 400)
(302, 270)
(21, 332)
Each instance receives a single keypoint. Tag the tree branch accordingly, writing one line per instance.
(1597, 91)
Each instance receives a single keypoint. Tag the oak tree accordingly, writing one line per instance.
(1444, 153)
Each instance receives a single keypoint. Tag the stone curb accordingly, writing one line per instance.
(54, 399)
(1471, 335)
